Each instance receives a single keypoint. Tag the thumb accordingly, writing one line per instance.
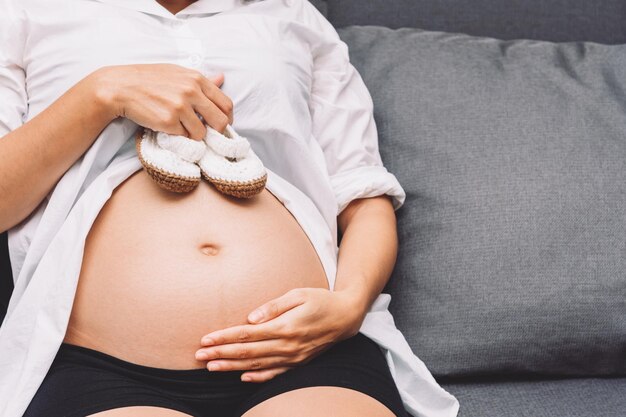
(217, 79)
(276, 307)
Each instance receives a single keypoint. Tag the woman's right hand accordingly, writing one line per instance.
(166, 98)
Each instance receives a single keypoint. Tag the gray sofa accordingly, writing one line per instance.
(511, 279)
(505, 123)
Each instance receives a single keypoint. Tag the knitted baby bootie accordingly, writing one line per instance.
(169, 159)
(231, 165)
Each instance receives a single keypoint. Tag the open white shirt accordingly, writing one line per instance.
(297, 98)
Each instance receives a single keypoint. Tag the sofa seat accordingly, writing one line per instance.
(573, 397)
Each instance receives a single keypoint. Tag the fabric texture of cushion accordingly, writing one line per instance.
(513, 236)
(554, 20)
(589, 397)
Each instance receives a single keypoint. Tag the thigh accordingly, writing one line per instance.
(139, 412)
(321, 401)
(348, 378)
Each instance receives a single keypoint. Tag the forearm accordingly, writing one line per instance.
(34, 156)
(368, 249)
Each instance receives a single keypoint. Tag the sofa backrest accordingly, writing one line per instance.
(555, 20)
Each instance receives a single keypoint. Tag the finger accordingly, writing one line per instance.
(179, 130)
(217, 79)
(247, 350)
(212, 115)
(168, 122)
(192, 124)
(277, 306)
(244, 333)
(217, 96)
(264, 375)
(248, 364)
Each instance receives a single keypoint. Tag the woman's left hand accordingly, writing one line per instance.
(293, 329)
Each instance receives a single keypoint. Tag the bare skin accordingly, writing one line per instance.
(175, 6)
(161, 269)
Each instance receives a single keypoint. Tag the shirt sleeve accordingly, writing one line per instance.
(13, 98)
(343, 119)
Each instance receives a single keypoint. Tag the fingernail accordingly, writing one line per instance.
(207, 341)
(246, 378)
(213, 367)
(201, 355)
(256, 316)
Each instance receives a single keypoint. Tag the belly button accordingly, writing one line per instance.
(209, 250)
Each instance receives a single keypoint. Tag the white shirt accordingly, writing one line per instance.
(297, 98)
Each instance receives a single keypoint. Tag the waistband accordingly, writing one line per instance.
(79, 355)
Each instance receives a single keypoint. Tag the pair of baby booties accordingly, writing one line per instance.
(177, 163)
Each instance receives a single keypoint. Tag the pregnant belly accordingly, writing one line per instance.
(160, 270)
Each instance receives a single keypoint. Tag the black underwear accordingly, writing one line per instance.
(83, 381)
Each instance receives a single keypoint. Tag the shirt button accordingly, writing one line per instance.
(174, 23)
(195, 59)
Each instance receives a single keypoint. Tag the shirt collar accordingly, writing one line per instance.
(153, 7)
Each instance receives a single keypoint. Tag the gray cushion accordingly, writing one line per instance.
(513, 236)
(591, 397)
(554, 20)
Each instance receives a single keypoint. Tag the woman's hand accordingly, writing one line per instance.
(293, 329)
(166, 98)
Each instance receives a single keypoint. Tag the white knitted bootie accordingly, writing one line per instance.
(169, 159)
(231, 165)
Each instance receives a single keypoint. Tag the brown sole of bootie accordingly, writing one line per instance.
(164, 179)
(238, 189)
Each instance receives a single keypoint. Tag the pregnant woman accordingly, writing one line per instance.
(131, 300)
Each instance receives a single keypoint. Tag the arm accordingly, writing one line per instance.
(367, 252)
(29, 163)
(34, 155)
(367, 195)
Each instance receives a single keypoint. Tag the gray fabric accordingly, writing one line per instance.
(555, 20)
(592, 397)
(513, 235)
